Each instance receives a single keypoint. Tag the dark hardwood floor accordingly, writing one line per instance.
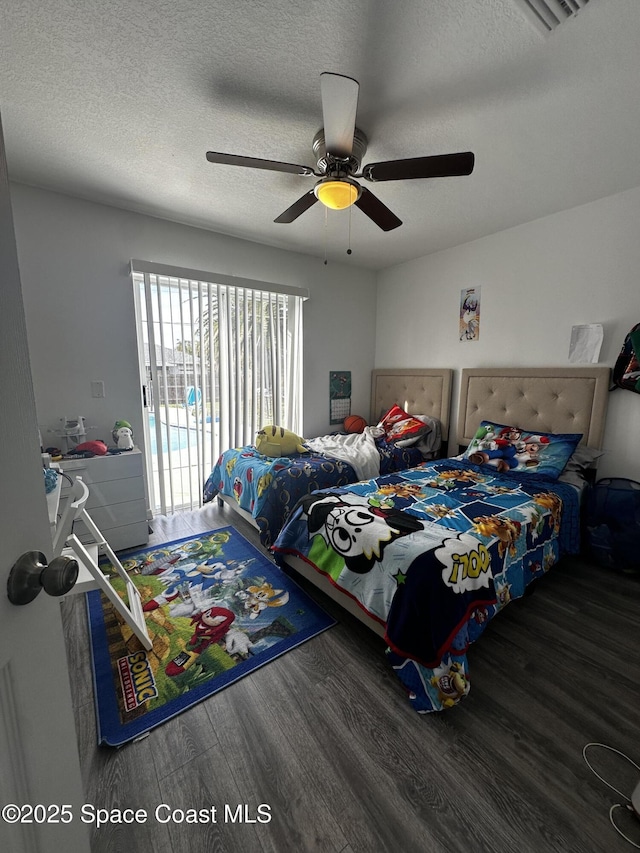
(325, 736)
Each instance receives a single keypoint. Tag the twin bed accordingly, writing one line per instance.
(427, 555)
(265, 490)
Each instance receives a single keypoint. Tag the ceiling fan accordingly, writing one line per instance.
(339, 147)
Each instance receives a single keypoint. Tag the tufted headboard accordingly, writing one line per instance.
(545, 399)
(419, 390)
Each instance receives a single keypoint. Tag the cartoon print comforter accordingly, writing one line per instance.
(269, 488)
(433, 553)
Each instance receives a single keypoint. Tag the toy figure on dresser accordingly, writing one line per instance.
(122, 435)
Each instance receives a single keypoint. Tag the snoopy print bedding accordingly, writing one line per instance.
(433, 554)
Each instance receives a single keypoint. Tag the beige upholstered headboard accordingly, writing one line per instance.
(419, 390)
(543, 399)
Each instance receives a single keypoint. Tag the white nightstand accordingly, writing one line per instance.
(117, 501)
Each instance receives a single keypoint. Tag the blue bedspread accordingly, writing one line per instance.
(433, 553)
(270, 488)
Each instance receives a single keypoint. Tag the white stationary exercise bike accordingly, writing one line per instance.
(90, 576)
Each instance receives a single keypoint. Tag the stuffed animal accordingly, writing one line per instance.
(278, 441)
(124, 438)
(122, 435)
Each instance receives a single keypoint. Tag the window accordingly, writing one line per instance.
(221, 357)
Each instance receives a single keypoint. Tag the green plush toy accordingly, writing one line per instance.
(117, 426)
(278, 441)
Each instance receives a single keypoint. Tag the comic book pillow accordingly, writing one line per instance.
(510, 448)
(401, 427)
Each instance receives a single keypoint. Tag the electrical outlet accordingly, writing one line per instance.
(97, 389)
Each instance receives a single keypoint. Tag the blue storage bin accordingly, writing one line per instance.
(613, 524)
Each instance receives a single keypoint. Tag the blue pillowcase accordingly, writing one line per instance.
(510, 448)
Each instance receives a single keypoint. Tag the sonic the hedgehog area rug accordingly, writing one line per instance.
(216, 609)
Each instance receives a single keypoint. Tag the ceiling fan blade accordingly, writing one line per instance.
(377, 211)
(339, 105)
(257, 163)
(297, 208)
(438, 166)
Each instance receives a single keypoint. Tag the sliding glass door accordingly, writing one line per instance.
(220, 360)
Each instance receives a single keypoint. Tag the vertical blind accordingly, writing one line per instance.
(222, 357)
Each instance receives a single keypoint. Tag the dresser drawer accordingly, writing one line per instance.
(115, 492)
(120, 538)
(103, 469)
(115, 515)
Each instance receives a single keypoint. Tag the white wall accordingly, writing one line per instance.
(79, 306)
(537, 281)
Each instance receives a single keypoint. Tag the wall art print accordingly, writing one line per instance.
(470, 314)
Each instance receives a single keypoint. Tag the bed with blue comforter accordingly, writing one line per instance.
(433, 554)
(269, 488)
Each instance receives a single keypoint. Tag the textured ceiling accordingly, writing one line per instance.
(118, 102)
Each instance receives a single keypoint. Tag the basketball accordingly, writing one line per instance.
(354, 423)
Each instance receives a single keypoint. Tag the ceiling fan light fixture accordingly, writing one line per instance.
(337, 193)
(339, 148)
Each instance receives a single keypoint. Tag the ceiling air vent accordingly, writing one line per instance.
(547, 15)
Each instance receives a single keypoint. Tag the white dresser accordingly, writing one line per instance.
(117, 501)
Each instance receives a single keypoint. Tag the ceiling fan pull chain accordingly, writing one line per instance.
(326, 227)
(349, 249)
